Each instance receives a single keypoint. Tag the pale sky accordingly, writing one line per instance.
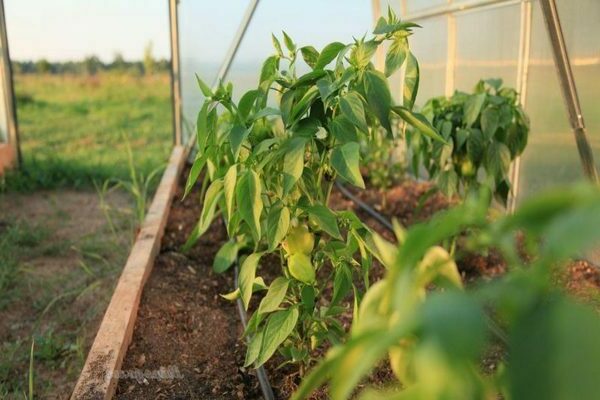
(72, 29)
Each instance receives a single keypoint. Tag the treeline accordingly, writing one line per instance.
(92, 65)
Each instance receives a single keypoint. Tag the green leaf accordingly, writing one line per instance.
(266, 112)
(213, 194)
(246, 102)
(301, 268)
(249, 201)
(195, 171)
(309, 78)
(229, 182)
(236, 137)
(352, 108)
(472, 108)
(204, 87)
(342, 283)
(278, 222)
(497, 159)
(396, 55)
(302, 106)
(275, 295)
(310, 55)
(279, 326)
(475, 145)
(555, 353)
(277, 45)
(419, 122)
(343, 130)
(411, 81)
(325, 219)
(202, 127)
(289, 43)
(345, 160)
(293, 163)
(269, 69)
(362, 53)
(490, 120)
(379, 97)
(247, 276)
(225, 257)
(328, 54)
(254, 348)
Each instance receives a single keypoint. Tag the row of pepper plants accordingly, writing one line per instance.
(269, 163)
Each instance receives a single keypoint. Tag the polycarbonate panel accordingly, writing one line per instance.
(551, 157)
(336, 20)
(413, 6)
(487, 46)
(581, 25)
(429, 44)
(206, 30)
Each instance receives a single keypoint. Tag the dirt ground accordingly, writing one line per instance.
(62, 251)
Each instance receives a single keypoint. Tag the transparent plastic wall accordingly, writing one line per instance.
(551, 156)
(491, 52)
(206, 30)
(491, 39)
(336, 20)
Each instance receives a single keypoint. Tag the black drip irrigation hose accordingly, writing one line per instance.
(261, 374)
(492, 325)
(263, 379)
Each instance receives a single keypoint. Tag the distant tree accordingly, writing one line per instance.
(91, 65)
(43, 66)
(119, 63)
(149, 62)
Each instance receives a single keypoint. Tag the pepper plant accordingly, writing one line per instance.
(484, 132)
(545, 342)
(270, 162)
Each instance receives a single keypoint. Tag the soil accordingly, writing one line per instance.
(183, 323)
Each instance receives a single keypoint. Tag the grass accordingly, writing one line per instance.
(54, 293)
(72, 128)
(61, 250)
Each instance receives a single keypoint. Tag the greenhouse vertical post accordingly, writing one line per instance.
(522, 76)
(175, 72)
(568, 87)
(14, 151)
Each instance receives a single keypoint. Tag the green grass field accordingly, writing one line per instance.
(61, 250)
(74, 129)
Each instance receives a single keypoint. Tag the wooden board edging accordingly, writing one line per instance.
(99, 376)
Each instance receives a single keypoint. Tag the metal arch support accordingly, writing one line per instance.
(522, 79)
(175, 73)
(8, 92)
(235, 45)
(568, 87)
(237, 40)
(376, 12)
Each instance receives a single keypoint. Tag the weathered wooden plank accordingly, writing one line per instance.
(98, 378)
(7, 157)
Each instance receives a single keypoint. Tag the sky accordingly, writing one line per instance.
(61, 30)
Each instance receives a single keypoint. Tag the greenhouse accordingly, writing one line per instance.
(379, 200)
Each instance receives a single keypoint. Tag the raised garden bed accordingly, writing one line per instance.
(186, 339)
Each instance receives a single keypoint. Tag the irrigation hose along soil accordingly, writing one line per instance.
(492, 325)
(263, 379)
